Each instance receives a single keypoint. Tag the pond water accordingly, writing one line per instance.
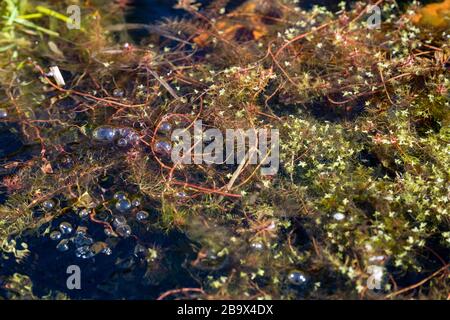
(120, 274)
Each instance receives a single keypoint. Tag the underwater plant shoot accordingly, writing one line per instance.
(251, 150)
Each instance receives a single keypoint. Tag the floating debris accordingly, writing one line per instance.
(56, 74)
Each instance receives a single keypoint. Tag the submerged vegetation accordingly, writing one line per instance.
(362, 194)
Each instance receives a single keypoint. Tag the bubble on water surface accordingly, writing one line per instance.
(258, 246)
(120, 195)
(81, 240)
(84, 252)
(163, 147)
(142, 215)
(140, 251)
(118, 93)
(83, 213)
(105, 133)
(124, 230)
(136, 202)
(122, 142)
(338, 216)
(65, 228)
(63, 245)
(55, 235)
(48, 205)
(119, 220)
(296, 278)
(123, 205)
(165, 127)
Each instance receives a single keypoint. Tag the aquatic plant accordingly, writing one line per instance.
(363, 189)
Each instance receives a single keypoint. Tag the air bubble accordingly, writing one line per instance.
(123, 205)
(55, 235)
(296, 278)
(120, 195)
(165, 127)
(63, 245)
(124, 230)
(65, 228)
(48, 205)
(163, 147)
(142, 215)
(105, 134)
(119, 220)
(3, 113)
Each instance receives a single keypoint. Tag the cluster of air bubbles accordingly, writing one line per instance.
(85, 247)
(3, 113)
(123, 204)
(122, 137)
(296, 278)
(162, 146)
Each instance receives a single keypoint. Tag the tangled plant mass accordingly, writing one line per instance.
(358, 209)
